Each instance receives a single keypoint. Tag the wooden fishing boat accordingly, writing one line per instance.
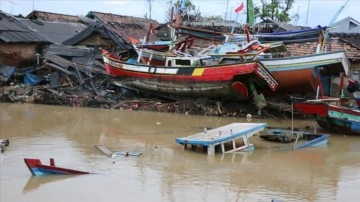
(279, 135)
(37, 168)
(307, 71)
(301, 139)
(296, 36)
(331, 115)
(192, 77)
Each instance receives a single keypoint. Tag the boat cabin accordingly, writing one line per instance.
(183, 61)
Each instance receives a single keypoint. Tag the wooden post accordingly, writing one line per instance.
(234, 144)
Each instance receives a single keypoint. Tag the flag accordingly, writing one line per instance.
(250, 13)
(238, 9)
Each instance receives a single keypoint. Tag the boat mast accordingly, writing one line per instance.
(307, 13)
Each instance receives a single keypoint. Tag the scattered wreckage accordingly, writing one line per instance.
(73, 76)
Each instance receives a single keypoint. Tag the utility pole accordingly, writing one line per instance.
(227, 5)
(149, 9)
(297, 16)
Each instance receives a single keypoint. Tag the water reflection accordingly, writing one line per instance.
(35, 182)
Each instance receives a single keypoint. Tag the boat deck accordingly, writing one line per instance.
(221, 135)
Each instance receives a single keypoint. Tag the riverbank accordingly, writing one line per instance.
(113, 99)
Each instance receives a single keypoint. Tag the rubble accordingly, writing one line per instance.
(75, 77)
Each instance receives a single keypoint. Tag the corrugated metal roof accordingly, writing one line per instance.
(55, 32)
(12, 31)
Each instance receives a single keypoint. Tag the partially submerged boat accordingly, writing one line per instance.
(301, 139)
(230, 133)
(37, 168)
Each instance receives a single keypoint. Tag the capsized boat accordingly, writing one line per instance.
(37, 168)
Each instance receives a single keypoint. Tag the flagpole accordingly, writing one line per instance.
(232, 30)
(307, 13)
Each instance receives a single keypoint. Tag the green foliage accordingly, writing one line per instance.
(275, 10)
(189, 6)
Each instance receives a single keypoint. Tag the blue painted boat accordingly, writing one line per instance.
(301, 139)
(296, 36)
(313, 140)
(219, 136)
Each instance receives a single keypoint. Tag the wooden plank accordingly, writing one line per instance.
(105, 150)
(126, 153)
(109, 153)
(60, 68)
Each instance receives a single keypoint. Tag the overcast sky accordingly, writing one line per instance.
(311, 12)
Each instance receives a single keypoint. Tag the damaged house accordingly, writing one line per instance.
(18, 44)
(22, 39)
(126, 26)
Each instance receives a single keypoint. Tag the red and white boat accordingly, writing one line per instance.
(192, 77)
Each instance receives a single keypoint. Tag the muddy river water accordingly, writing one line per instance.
(164, 171)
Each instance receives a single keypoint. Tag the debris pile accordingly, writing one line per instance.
(76, 77)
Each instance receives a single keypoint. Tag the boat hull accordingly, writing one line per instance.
(224, 82)
(37, 168)
(294, 74)
(332, 117)
(292, 36)
(288, 136)
(300, 74)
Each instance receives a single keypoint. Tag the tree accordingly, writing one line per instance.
(275, 10)
(189, 7)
